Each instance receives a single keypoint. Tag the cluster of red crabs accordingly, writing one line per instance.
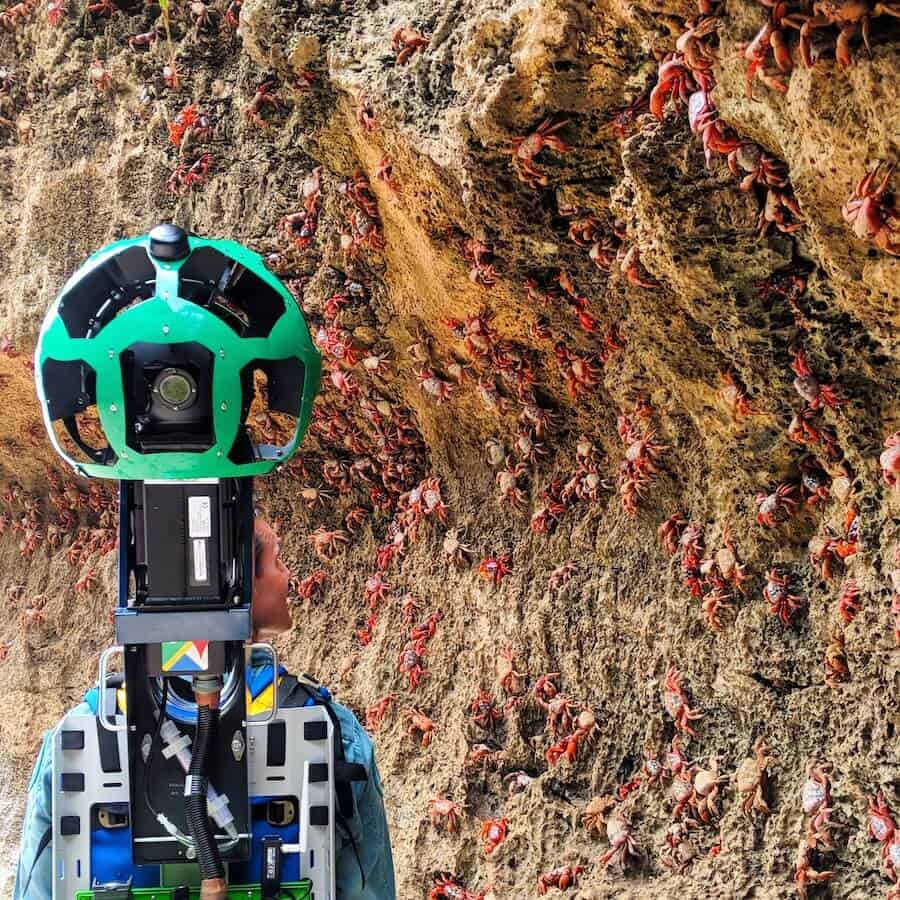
(686, 77)
(72, 506)
(694, 791)
(822, 473)
(200, 20)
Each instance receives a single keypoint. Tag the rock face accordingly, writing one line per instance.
(605, 280)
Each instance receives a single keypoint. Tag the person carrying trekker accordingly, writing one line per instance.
(363, 859)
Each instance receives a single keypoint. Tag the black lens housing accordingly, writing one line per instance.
(155, 423)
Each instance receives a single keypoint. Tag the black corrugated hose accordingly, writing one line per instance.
(195, 803)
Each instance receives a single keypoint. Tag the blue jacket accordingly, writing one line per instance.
(368, 825)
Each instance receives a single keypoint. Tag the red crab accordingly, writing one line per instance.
(805, 429)
(580, 371)
(186, 176)
(563, 878)
(629, 259)
(484, 712)
(393, 549)
(365, 114)
(189, 120)
(703, 118)
(890, 461)
(99, 76)
(233, 13)
(454, 550)
(103, 8)
(367, 632)
(439, 807)
(775, 507)
(782, 210)
(586, 729)
(495, 568)
(425, 631)
(848, 605)
(410, 662)
(511, 681)
(623, 117)
(762, 169)
(446, 887)
(493, 833)
(406, 42)
(670, 532)
(584, 229)
(377, 711)
(524, 149)
(724, 567)
(355, 518)
(622, 844)
(804, 873)
(488, 756)
(433, 385)
(306, 588)
(782, 602)
(144, 38)
(326, 543)
(384, 172)
(870, 209)
(651, 767)
(561, 576)
(880, 824)
(508, 482)
(55, 9)
(421, 723)
(544, 688)
(735, 396)
(675, 760)
(410, 606)
(815, 795)
(481, 259)
(675, 80)
(837, 670)
(86, 582)
(676, 704)
(375, 590)
(849, 15)
(808, 387)
(716, 605)
(559, 712)
(769, 37)
(263, 96)
(639, 467)
(815, 483)
(697, 56)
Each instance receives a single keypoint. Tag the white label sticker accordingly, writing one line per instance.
(200, 561)
(199, 517)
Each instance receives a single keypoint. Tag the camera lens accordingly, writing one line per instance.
(175, 388)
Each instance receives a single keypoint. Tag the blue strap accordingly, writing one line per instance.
(92, 698)
(260, 677)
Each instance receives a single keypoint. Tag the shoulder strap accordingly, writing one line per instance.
(294, 692)
(46, 837)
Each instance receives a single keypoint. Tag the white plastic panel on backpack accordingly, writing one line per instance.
(71, 853)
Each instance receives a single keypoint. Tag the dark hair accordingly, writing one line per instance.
(258, 545)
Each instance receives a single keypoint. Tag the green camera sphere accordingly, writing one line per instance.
(161, 340)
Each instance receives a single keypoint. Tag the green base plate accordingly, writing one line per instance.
(300, 890)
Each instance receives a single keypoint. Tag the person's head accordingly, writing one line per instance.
(270, 583)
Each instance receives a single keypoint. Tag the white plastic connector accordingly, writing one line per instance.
(178, 745)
